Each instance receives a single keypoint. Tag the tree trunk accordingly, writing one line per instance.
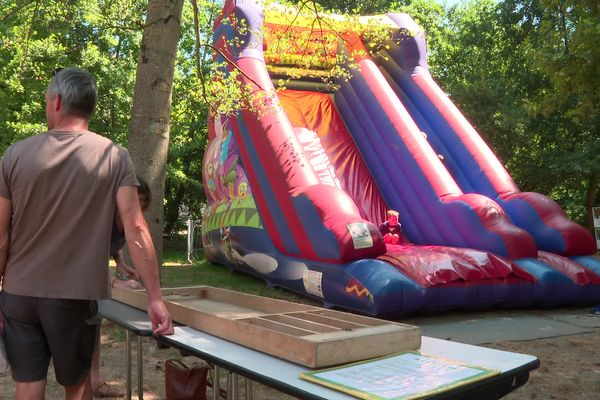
(148, 140)
(590, 199)
(173, 206)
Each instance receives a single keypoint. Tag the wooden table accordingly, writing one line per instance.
(284, 376)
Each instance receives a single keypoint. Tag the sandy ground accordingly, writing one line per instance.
(570, 368)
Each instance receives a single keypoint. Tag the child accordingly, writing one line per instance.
(126, 277)
(391, 230)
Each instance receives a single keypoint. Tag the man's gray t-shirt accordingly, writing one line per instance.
(63, 188)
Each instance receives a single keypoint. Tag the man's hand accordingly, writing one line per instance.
(160, 318)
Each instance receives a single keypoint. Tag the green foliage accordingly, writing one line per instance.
(525, 72)
(102, 36)
(189, 132)
(564, 39)
(363, 7)
(302, 42)
(38, 37)
(508, 72)
(570, 54)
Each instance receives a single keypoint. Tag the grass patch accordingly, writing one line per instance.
(201, 272)
(177, 257)
(113, 332)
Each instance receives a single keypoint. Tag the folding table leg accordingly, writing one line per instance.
(128, 364)
(229, 391)
(232, 389)
(140, 367)
(216, 382)
(248, 389)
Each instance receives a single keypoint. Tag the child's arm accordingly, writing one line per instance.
(124, 269)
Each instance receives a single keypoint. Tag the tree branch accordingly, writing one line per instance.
(230, 61)
(198, 45)
(17, 8)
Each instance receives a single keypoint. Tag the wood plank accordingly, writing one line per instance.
(275, 343)
(342, 349)
(303, 334)
(344, 316)
(278, 326)
(257, 303)
(334, 322)
(221, 309)
(301, 323)
(263, 304)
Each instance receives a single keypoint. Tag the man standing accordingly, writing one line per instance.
(58, 192)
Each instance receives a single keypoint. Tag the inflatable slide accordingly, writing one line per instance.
(298, 182)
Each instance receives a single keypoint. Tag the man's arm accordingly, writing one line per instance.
(143, 256)
(5, 217)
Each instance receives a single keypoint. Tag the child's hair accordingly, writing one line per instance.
(393, 212)
(144, 193)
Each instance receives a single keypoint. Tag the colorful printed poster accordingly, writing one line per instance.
(404, 376)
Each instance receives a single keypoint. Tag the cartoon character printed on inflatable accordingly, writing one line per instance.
(391, 230)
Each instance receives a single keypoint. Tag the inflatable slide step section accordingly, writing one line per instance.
(462, 278)
(561, 281)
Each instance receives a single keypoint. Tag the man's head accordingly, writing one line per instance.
(144, 194)
(393, 217)
(71, 92)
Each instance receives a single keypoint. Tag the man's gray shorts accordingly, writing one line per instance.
(38, 329)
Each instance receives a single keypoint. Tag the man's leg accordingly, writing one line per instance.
(26, 347)
(72, 328)
(30, 390)
(95, 376)
(81, 391)
(99, 387)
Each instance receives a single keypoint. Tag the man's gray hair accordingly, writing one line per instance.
(77, 90)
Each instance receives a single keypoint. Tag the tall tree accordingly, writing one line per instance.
(189, 131)
(148, 140)
(569, 53)
(37, 37)
(104, 37)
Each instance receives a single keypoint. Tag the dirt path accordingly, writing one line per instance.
(569, 367)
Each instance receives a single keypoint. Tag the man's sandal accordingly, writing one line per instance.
(105, 390)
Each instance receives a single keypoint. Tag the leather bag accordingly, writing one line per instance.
(183, 382)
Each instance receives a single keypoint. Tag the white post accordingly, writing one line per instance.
(190, 239)
(596, 215)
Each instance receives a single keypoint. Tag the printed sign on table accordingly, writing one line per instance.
(404, 376)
